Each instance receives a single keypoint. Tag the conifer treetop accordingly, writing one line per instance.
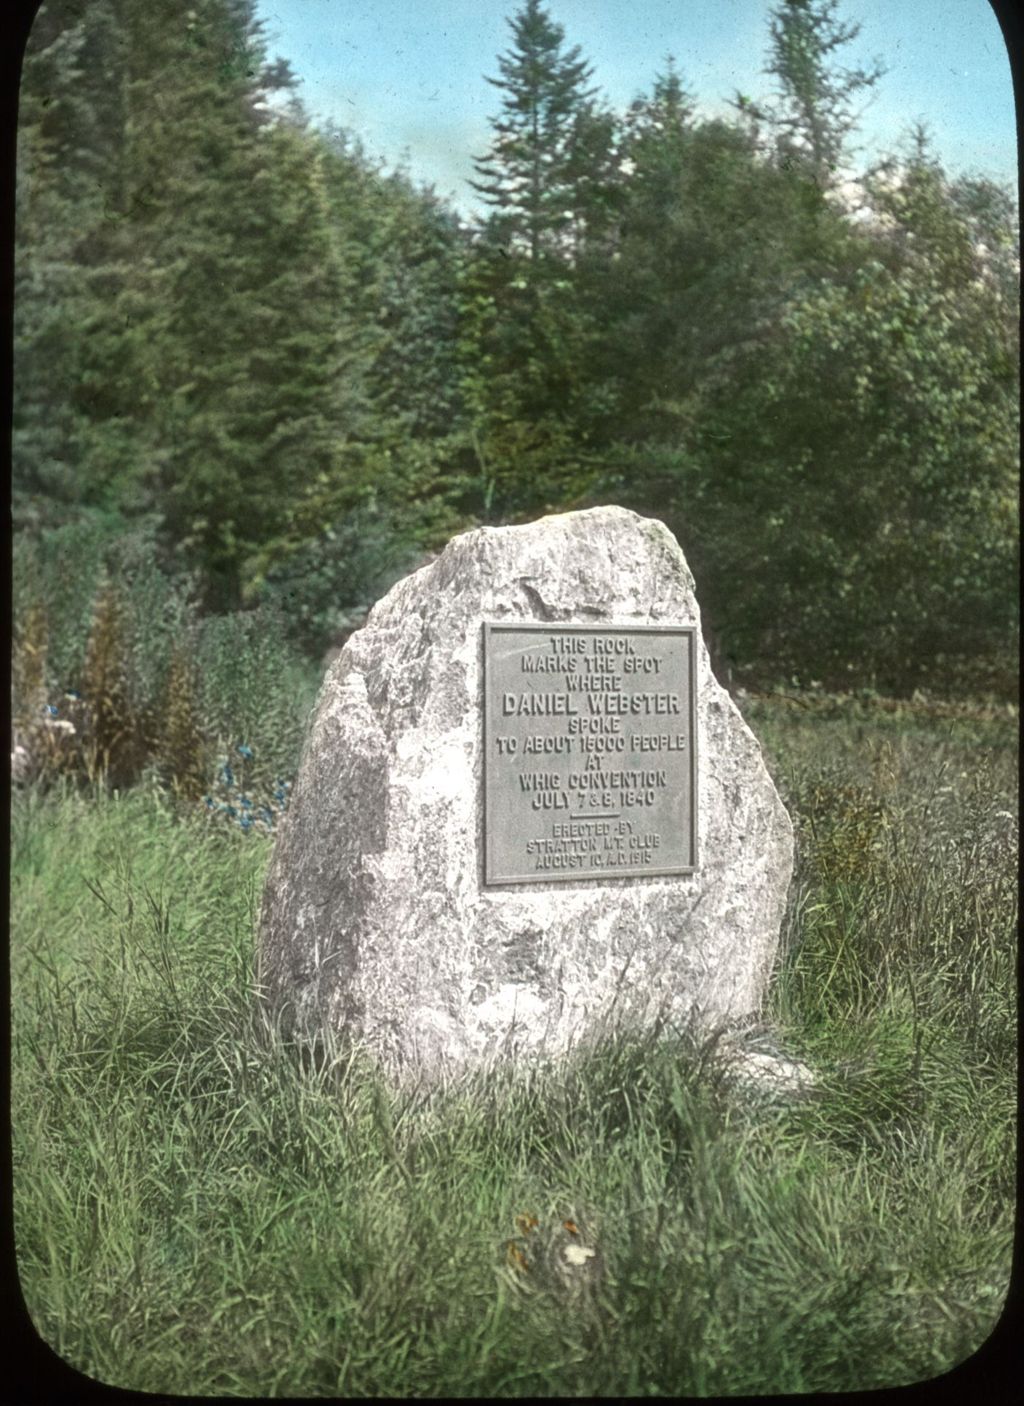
(527, 172)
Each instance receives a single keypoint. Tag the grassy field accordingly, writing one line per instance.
(197, 1211)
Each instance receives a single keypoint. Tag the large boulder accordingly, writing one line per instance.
(379, 918)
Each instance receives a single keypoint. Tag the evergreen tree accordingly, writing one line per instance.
(221, 320)
(244, 366)
(662, 120)
(411, 302)
(526, 330)
(815, 109)
(399, 475)
(711, 241)
(258, 409)
(69, 150)
(594, 180)
(528, 174)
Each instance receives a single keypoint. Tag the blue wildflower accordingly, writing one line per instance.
(245, 822)
(244, 751)
(228, 774)
(279, 793)
(231, 811)
(209, 802)
(50, 709)
(245, 802)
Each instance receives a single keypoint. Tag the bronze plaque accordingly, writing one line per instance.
(590, 765)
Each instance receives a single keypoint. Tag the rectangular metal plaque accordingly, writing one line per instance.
(590, 765)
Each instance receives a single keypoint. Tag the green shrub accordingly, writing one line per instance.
(255, 689)
(59, 570)
(328, 583)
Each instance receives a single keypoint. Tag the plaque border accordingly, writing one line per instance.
(492, 627)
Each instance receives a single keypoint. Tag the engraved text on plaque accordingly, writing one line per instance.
(590, 768)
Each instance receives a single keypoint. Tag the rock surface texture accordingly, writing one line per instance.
(376, 921)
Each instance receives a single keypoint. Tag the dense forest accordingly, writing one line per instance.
(260, 372)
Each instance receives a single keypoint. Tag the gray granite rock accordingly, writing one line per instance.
(376, 921)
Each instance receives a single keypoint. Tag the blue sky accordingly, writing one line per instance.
(406, 76)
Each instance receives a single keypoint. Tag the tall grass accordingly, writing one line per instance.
(201, 1210)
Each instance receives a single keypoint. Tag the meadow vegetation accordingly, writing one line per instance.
(201, 1208)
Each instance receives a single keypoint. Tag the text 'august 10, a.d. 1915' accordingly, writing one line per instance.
(590, 767)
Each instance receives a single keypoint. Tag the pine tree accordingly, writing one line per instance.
(222, 322)
(658, 149)
(420, 248)
(711, 238)
(527, 332)
(815, 110)
(663, 119)
(529, 172)
(258, 406)
(69, 149)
